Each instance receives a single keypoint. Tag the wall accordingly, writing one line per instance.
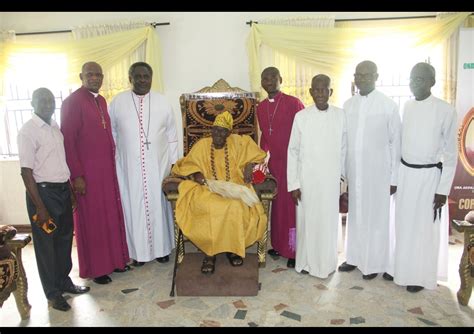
(198, 49)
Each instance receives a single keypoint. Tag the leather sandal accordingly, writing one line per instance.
(235, 260)
(208, 265)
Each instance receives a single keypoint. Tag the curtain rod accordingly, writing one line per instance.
(374, 19)
(153, 24)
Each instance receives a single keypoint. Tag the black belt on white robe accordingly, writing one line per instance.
(438, 165)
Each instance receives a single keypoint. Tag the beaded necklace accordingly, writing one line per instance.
(227, 164)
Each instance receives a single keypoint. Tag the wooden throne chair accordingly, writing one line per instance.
(198, 112)
(12, 273)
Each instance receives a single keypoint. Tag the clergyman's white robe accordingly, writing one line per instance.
(141, 170)
(428, 136)
(373, 157)
(315, 163)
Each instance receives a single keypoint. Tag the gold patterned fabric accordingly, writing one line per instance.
(224, 120)
(213, 223)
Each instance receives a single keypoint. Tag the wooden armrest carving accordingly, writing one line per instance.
(268, 187)
(6, 233)
(170, 184)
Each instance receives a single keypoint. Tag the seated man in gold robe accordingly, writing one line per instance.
(214, 223)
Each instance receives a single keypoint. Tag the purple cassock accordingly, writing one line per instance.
(276, 120)
(90, 153)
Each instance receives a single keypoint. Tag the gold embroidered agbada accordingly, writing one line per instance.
(213, 223)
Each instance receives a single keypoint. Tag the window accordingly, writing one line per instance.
(27, 72)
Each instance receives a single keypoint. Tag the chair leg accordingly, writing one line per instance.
(262, 250)
(180, 242)
(21, 291)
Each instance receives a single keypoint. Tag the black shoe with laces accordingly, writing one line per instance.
(60, 304)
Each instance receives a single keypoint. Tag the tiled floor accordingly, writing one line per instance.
(286, 299)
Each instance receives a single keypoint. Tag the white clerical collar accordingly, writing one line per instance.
(95, 94)
(271, 100)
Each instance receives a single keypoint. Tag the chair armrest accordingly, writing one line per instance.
(6, 233)
(170, 184)
(267, 187)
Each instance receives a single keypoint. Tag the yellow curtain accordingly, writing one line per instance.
(330, 50)
(106, 50)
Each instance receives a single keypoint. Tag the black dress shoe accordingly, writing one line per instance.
(387, 277)
(163, 259)
(136, 263)
(273, 252)
(414, 288)
(59, 303)
(346, 267)
(126, 268)
(369, 276)
(290, 263)
(103, 279)
(76, 289)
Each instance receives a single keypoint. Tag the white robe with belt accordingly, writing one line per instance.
(315, 163)
(373, 157)
(428, 137)
(140, 171)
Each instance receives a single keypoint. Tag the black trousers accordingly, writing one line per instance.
(53, 250)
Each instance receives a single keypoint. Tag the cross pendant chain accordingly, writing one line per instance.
(140, 119)
(270, 119)
(101, 112)
(147, 143)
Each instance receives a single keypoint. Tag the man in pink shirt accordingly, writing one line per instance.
(45, 174)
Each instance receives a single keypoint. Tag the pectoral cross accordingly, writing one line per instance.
(103, 123)
(271, 130)
(147, 143)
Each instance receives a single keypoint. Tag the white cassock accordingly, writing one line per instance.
(315, 163)
(373, 157)
(141, 170)
(428, 137)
